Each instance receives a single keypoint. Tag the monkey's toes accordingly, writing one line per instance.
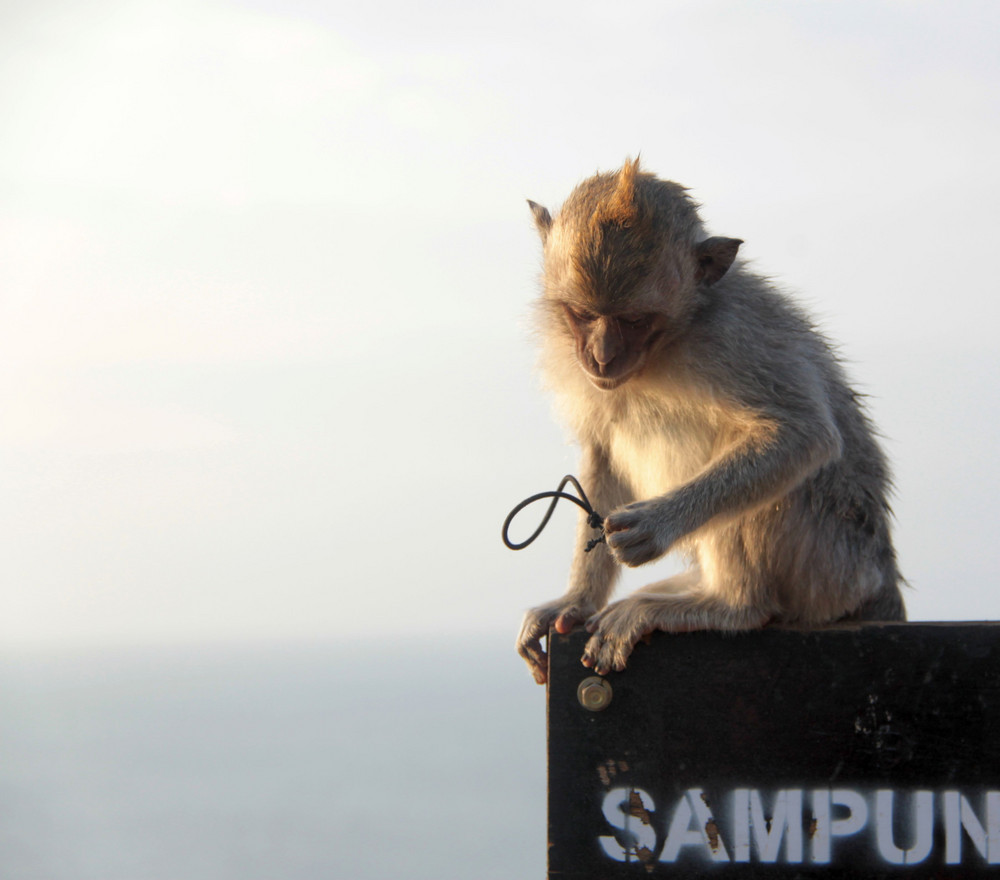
(537, 661)
(605, 655)
(572, 616)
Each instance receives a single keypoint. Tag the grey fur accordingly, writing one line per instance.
(725, 429)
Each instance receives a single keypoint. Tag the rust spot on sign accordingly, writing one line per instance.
(607, 771)
(636, 807)
(712, 830)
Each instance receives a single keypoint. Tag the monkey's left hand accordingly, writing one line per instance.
(640, 532)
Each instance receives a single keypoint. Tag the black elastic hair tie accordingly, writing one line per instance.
(594, 519)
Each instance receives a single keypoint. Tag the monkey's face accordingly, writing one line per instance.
(612, 348)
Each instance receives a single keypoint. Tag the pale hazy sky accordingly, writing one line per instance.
(266, 266)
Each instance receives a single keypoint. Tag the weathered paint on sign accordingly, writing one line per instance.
(862, 751)
(794, 826)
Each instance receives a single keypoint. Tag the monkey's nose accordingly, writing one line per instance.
(604, 354)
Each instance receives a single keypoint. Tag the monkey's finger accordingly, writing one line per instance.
(529, 643)
(531, 650)
(629, 537)
(539, 673)
(637, 555)
(622, 520)
(536, 659)
(635, 546)
(533, 627)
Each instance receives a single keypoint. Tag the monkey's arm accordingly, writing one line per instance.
(592, 576)
(761, 466)
(777, 452)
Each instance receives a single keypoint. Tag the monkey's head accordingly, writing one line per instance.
(626, 267)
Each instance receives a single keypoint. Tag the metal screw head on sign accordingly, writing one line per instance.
(594, 693)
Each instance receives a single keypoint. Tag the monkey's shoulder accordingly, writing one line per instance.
(754, 343)
(749, 317)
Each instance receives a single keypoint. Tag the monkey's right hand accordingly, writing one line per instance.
(641, 531)
(563, 614)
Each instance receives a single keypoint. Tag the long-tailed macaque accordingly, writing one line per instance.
(713, 419)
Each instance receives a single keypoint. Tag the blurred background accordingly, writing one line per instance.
(266, 386)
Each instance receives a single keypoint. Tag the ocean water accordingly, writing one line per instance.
(279, 761)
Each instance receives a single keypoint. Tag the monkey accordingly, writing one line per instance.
(714, 419)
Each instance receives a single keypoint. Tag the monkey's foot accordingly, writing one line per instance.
(616, 631)
(561, 614)
(618, 627)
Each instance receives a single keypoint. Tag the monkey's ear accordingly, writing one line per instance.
(715, 255)
(543, 219)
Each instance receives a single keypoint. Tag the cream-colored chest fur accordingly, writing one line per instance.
(658, 431)
(656, 454)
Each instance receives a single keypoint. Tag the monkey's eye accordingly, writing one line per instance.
(581, 316)
(636, 321)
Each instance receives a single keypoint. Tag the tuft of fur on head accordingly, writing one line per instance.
(616, 226)
(620, 207)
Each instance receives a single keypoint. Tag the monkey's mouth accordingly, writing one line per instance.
(609, 383)
(615, 374)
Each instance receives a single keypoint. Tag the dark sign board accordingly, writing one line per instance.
(866, 751)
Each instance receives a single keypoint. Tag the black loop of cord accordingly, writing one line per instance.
(594, 519)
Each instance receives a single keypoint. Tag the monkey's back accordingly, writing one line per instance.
(825, 547)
